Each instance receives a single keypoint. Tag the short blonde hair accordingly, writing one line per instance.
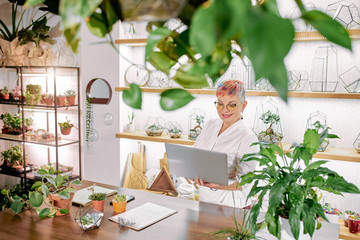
(232, 87)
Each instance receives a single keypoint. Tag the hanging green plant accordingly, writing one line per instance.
(88, 119)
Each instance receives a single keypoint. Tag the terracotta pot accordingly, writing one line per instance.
(354, 225)
(61, 203)
(60, 101)
(49, 101)
(71, 100)
(4, 130)
(346, 222)
(98, 205)
(6, 96)
(119, 207)
(65, 131)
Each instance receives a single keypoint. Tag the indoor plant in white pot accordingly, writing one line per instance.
(130, 127)
(291, 184)
(332, 214)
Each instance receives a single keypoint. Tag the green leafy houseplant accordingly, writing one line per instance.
(13, 157)
(96, 196)
(89, 116)
(323, 131)
(32, 94)
(51, 183)
(292, 185)
(264, 36)
(66, 125)
(8, 196)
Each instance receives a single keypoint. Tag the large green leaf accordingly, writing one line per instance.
(96, 23)
(76, 182)
(254, 212)
(296, 196)
(36, 199)
(161, 61)
(220, 20)
(186, 77)
(45, 190)
(173, 99)
(16, 206)
(59, 180)
(72, 37)
(311, 140)
(316, 164)
(36, 185)
(277, 192)
(328, 27)
(154, 38)
(338, 183)
(44, 212)
(308, 174)
(63, 211)
(309, 217)
(133, 97)
(294, 222)
(32, 3)
(63, 194)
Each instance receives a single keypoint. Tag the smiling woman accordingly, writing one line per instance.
(228, 135)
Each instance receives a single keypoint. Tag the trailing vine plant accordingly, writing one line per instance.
(89, 120)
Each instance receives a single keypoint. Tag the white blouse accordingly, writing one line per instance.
(235, 141)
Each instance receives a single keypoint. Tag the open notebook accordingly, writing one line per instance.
(82, 196)
(143, 216)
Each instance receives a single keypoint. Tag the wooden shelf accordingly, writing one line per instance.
(299, 36)
(132, 42)
(339, 154)
(142, 136)
(316, 36)
(259, 93)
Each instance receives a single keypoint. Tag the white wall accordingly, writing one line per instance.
(101, 161)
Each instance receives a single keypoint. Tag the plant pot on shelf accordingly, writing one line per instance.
(49, 102)
(6, 96)
(71, 100)
(354, 225)
(130, 128)
(4, 131)
(61, 101)
(332, 218)
(119, 207)
(98, 205)
(61, 203)
(65, 131)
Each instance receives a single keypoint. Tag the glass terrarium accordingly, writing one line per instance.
(297, 80)
(357, 143)
(158, 79)
(267, 124)
(174, 129)
(88, 219)
(154, 126)
(196, 123)
(345, 13)
(324, 70)
(317, 121)
(351, 80)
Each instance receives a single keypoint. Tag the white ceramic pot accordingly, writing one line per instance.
(286, 233)
(130, 128)
(333, 218)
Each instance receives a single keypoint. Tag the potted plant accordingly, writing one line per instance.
(119, 203)
(332, 214)
(354, 223)
(346, 216)
(269, 135)
(33, 92)
(323, 131)
(13, 158)
(15, 124)
(175, 132)
(154, 130)
(55, 191)
(5, 93)
(28, 135)
(291, 187)
(61, 100)
(16, 93)
(65, 127)
(130, 127)
(97, 199)
(6, 118)
(70, 96)
(28, 122)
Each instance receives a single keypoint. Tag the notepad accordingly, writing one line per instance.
(82, 196)
(143, 216)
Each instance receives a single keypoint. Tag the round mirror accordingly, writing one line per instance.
(99, 91)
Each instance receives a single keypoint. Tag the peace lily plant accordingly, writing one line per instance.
(292, 184)
(206, 46)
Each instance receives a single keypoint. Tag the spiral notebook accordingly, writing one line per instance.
(82, 196)
(143, 216)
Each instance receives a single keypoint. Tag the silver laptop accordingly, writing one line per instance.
(194, 162)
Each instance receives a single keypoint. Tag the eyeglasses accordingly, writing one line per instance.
(231, 106)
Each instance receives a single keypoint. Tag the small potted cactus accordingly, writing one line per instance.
(119, 203)
(70, 96)
(5, 93)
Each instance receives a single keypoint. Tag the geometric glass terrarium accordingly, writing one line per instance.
(357, 143)
(267, 124)
(317, 121)
(88, 219)
(154, 126)
(158, 79)
(351, 80)
(174, 129)
(324, 70)
(196, 123)
(297, 80)
(345, 13)
(249, 76)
